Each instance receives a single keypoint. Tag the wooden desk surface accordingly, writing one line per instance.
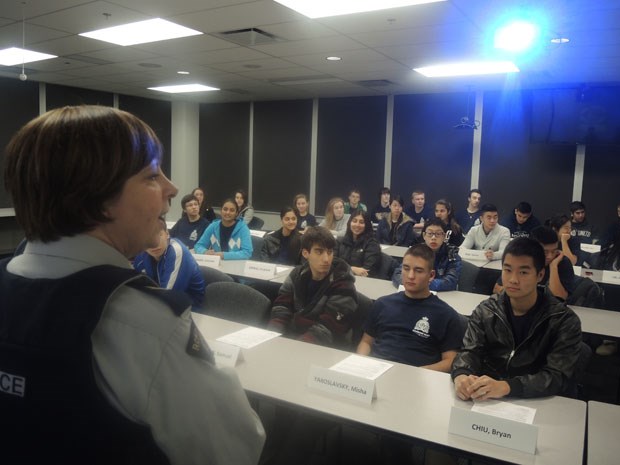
(411, 401)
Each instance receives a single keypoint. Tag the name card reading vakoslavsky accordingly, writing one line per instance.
(342, 384)
(212, 261)
(225, 355)
(498, 430)
(259, 270)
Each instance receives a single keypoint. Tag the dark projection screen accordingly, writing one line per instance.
(281, 167)
(59, 96)
(155, 113)
(20, 102)
(428, 153)
(223, 149)
(351, 148)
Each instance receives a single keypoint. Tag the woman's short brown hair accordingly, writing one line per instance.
(65, 166)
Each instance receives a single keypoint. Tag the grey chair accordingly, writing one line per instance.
(388, 265)
(468, 277)
(256, 223)
(364, 304)
(236, 302)
(211, 275)
(257, 245)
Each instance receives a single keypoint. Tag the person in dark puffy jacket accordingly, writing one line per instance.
(284, 245)
(397, 228)
(359, 247)
(523, 342)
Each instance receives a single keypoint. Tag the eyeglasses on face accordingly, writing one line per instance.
(434, 234)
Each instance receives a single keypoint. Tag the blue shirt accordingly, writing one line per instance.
(176, 269)
(413, 331)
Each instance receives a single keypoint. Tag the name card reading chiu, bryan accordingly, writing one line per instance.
(342, 384)
(492, 429)
(259, 270)
(212, 261)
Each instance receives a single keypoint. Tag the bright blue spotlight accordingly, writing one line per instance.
(516, 36)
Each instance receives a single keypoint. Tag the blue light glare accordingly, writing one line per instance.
(517, 36)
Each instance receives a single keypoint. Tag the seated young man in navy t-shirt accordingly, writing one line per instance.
(414, 326)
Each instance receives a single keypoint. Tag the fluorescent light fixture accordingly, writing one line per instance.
(333, 58)
(142, 32)
(16, 56)
(183, 72)
(560, 40)
(516, 36)
(470, 68)
(183, 88)
(323, 8)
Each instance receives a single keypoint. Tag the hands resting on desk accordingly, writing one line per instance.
(480, 387)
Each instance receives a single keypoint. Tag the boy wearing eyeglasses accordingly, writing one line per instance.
(447, 264)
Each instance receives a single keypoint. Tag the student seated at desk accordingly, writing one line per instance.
(489, 235)
(471, 215)
(523, 342)
(335, 218)
(569, 245)
(609, 258)
(354, 203)
(454, 233)
(284, 245)
(418, 211)
(304, 218)
(397, 228)
(317, 301)
(447, 266)
(415, 326)
(382, 208)
(580, 227)
(229, 237)
(206, 211)
(191, 226)
(172, 266)
(359, 247)
(245, 211)
(522, 221)
(559, 275)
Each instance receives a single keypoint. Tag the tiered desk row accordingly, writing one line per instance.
(416, 403)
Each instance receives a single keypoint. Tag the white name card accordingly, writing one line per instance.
(170, 224)
(342, 384)
(611, 277)
(259, 270)
(592, 248)
(257, 233)
(471, 254)
(594, 275)
(225, 355)
(494, 430)
(212, 261)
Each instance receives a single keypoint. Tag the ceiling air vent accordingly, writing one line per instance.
(375, 83)
(250, 36)
(88, 59)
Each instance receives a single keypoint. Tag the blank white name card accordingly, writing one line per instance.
(260, 270)
(363, 367)
(591, 248)
(249, 337)
(341, 384)
(257, 233)
(471, 254)
(611, 277)
(212, 261)
(226, 355)
(499, 430)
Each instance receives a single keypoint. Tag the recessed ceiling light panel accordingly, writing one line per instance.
(323, 8)
(471, 68)
(333, 58)
(517, 36)
(184, 88)
(16, 56)
(141, 32)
